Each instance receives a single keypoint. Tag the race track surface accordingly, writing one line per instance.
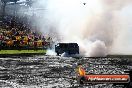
(56, 72)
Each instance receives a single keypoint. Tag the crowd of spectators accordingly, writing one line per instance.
(17, 33)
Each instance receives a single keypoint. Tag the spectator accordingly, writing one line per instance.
(16, 32)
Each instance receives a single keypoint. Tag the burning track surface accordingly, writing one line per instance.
(56, 72)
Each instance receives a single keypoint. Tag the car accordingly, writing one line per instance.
(69, 48)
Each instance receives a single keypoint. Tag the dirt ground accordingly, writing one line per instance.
(56, 72)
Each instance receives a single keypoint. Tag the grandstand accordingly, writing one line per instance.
(16, 33)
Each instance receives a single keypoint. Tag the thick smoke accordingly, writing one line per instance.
(97, 49)
(95, 26)
(51, 52)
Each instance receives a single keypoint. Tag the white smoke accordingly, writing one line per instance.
(97, 49)
(50, 52)
(94, 26)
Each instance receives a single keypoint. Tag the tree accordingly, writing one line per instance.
(29, 2)
(4, 3)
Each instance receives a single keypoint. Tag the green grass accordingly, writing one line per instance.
(22, 51)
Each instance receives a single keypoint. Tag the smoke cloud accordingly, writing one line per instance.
(98, 26)
(97, 49)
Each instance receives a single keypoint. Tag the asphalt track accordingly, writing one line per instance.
(56, 72)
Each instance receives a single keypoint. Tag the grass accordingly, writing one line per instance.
(22, 52)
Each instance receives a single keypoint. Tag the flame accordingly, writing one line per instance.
(81, 71)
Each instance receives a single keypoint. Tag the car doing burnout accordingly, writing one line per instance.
(69, 48)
